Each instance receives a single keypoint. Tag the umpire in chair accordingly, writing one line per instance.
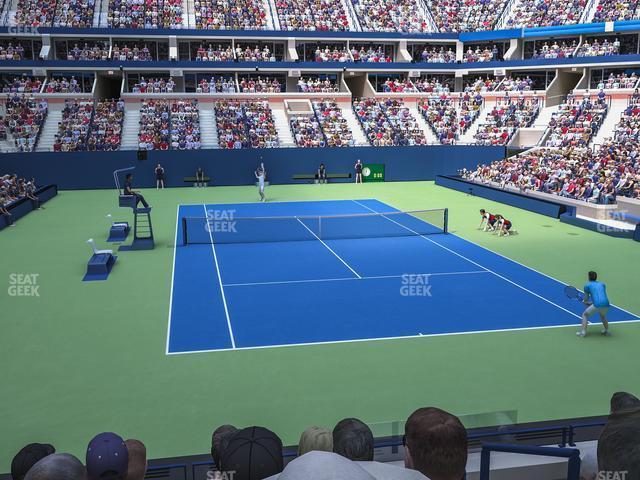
(128, 190)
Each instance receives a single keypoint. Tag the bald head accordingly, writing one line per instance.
(59, 466)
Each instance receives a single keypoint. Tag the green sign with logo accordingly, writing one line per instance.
(373, 172)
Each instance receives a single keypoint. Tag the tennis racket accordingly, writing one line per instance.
(573, 293)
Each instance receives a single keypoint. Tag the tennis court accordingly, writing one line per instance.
(261, 275)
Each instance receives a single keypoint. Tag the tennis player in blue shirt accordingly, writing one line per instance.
(595, 295)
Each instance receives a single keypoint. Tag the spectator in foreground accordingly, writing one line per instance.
(619, 442)
(220, 440)
(253, 453)
(436, 444)
(58, 466)
(137, 466)
(353, 439)
(107, 457)
(315, 439)
(30, 454)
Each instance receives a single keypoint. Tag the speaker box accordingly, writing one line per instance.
(142, 155)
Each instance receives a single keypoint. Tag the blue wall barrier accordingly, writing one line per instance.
(89, 170)
(543, 207)
(21, 207)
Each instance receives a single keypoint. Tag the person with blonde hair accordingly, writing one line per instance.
(315, 439)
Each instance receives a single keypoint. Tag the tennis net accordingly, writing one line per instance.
(222, 226)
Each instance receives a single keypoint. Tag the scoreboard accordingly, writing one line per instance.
(373, 172)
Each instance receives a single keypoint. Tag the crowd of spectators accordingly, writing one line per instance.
(154, 85)
(74, 13)
(577, 173)
(577, 121)
(543, 13)
(555, 50)
(479, 54)
(388, 123)
(614, 10)
(431, 84)
(35, 13)
(12, 189)
(222, 53)
(154, 133)
(331, 54)
(505, 118)
(370, 55)
(516, 84)
(231, 15)
(333, 124)
(448, 120)
(135, 53)
(396, 85)
(22, 84)
(73, 128)
(384, 16)
(147, 14)
(481, 84)
(306, 131)
(255, 54)
(599, 49)
(434, 55)
(314, 84)
(312, 15)
(63, 85)
(95, 51)
(245, 125)
(185, 125)
(106, 127)
(468, 15)
(11, 51)
(620, 80)
(217, 85)
(24, 117)
(260, 84)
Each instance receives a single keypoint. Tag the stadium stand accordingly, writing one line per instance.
(74, 13)
(505, 118)
(227, 15)
(245, 125)
(24, 117)
(149, 14)
(542, 13)
(73, 129)
(124, 52)
(22, 84)
(106, 127)
(82, 52)
(309, 52)
(333, 124)
(576, 121)
(457, 16)
(449, 118)
(401, 16)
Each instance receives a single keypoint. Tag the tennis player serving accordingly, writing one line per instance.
(595, 296)
(261, 174)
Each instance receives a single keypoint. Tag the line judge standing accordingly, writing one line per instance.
(358, 168)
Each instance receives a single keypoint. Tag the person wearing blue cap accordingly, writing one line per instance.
(107, 457)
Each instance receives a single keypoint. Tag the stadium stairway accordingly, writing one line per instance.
(611, 120)
(48, 132)
(273, 20)
(12, 7)
(208, 128)
(130, 128)
(282, 125)
(424, 126)
(354, 125)
(102, 14)
(188, 14)
(467, 137)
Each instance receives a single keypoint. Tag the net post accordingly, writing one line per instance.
(184, 231)
(446, 220)
(319, 227)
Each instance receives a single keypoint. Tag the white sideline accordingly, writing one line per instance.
(173, 271)
(224, 298)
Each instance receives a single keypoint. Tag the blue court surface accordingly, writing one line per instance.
(369, 278)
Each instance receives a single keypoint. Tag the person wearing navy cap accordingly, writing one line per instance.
(107, 457)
